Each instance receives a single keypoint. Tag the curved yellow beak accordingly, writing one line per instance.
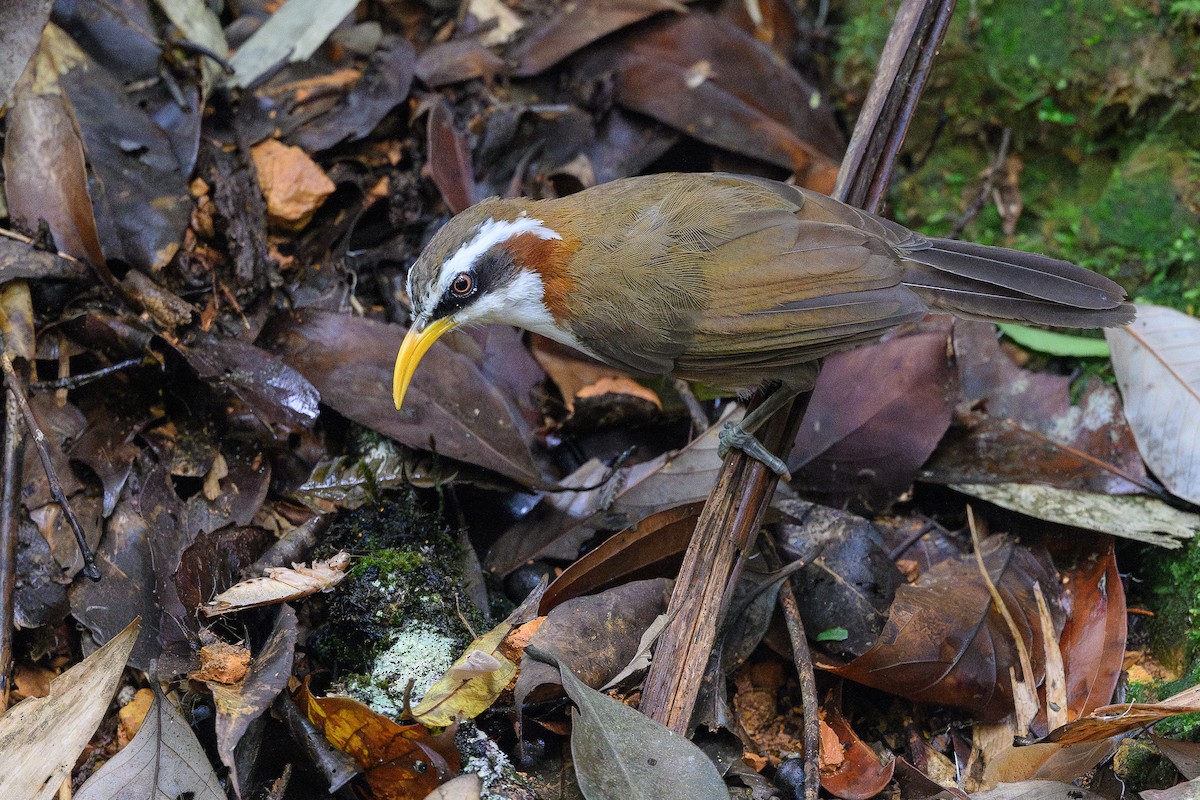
(420, 337)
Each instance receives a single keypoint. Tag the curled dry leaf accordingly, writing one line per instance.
(279, 585)
(849, 767)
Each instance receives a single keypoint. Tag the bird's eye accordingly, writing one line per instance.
(462, 285)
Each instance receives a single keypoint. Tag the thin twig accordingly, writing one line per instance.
(16, 388)
(9, 500)
(83, 378)
(802, 658)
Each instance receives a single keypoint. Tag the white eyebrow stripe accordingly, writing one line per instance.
(491, 233)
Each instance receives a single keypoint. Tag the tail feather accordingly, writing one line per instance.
(1000, 284)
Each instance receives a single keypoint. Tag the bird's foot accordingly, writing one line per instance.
(733, 437)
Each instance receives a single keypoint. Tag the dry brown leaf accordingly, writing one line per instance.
(41, 737)
(280, 585)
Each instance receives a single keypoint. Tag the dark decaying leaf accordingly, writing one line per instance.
(107, 446)
(451, 407)
(1024, 428)
(126, 586)
(595, 636)
(240, 704)
(619, 752)
(875, 416)
(274, 391)
(457, 60)
(850, 769)
(140, 193)
(23, 23)
(40, 597)
(848, 582)
(61, 425)
(217, 560)
(383, 86)
(1157, 366)
(721, 86)
(945, 642)
(164, 759)
(560, 523)
(1093, 637)
(42, 737)
(575, 26)
(45, 176)
(449, 158)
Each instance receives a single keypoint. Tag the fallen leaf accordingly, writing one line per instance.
(398, 761)
(292, 33)
(41, 737)
(1111, 720)
(850, 769)
(1036, 790)
(131, 716)
(1189, 790)
(1157, 361)
(165, 759)
(945, 642)
(619, 752)
(239, 705)
(280, 585)
(24, 20)
(1093, 636)
(476, 679)
(1143, 519)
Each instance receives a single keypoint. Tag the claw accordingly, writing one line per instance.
(732, 437)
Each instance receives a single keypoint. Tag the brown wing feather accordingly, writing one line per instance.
(738, 280)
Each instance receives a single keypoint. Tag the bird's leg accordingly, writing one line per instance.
(740, 435)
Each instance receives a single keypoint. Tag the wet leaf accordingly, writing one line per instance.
(275, 392)
(621, 753)
(576, 25)
(945, 642)
(451, 406)
(384, 85)
(1023, 427)
(165, 759)
(865, 440)
(457, 60)
(1143, 519)
(279, 585)
(1158, 368)
(139, 191)
(849, 580)
(41, 737)
(238, 705)
(399, 761)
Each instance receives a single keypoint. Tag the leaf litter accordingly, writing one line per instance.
(217, 289)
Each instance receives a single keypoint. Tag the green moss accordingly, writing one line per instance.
(1139, 765)
(406, 572)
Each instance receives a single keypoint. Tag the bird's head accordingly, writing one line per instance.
(494, 263)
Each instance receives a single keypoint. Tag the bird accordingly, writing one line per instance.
(739, 282)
